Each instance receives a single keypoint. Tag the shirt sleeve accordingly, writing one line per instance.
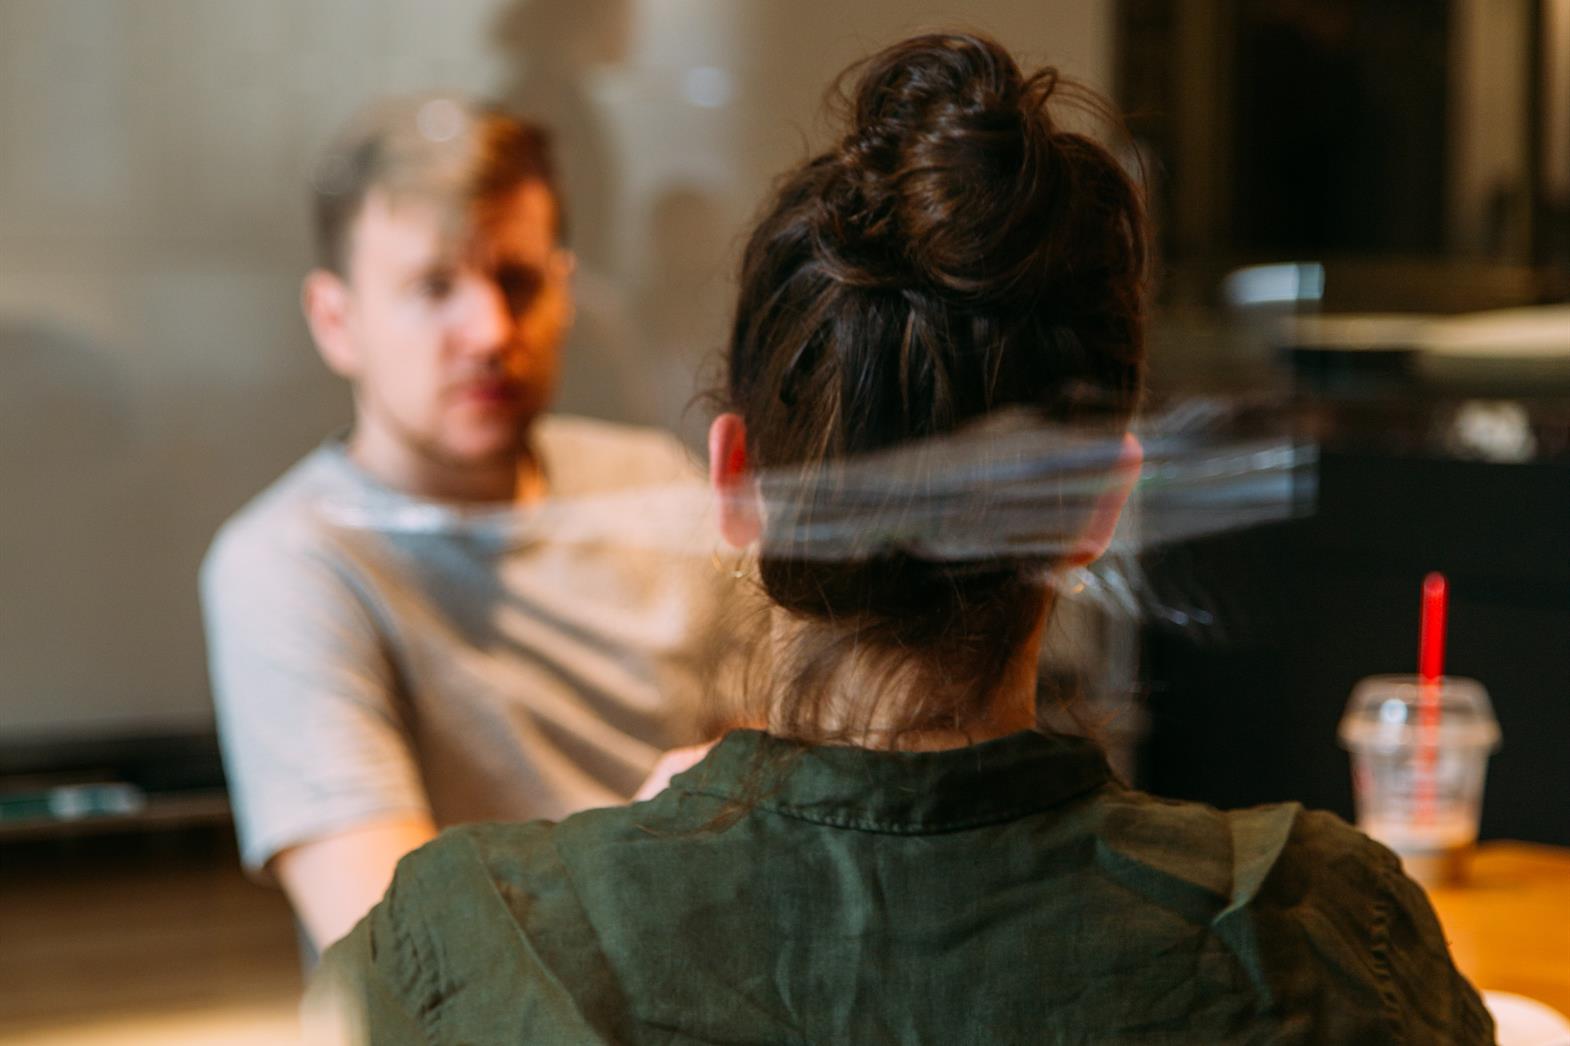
(1368, 956)
(480, 938)
(311, 725)
(1429, 997)
(392, 976)
(355, 998)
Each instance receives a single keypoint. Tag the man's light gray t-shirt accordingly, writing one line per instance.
(374, 655)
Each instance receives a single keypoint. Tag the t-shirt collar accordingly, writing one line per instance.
(900, 792)
(362, 502)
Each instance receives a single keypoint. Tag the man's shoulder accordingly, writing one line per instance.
(588, 455)
(280, 522)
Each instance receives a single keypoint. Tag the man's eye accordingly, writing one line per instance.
(520, 284)
(436, 287)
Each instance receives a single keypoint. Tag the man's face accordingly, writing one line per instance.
(452, 335)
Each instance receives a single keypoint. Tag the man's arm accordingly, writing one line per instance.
(326, 787)
(332, 882)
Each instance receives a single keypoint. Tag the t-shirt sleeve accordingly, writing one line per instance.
(312, 730)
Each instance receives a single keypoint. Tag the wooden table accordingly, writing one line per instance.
(1509, 924)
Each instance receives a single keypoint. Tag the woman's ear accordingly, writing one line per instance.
(1097, 536)
(325, 301)
(735, 488)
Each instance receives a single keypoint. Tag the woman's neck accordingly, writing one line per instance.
(1008, 709)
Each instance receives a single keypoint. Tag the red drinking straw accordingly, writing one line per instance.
(1430, 668)
(1431, 645)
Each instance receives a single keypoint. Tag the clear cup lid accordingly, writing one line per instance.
(1386, 713)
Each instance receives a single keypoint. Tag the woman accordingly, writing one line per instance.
(900, 856)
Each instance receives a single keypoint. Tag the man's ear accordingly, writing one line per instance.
(735, 488)
(325, 300)
(1097, 536)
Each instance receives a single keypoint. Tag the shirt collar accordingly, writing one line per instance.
(899, 792)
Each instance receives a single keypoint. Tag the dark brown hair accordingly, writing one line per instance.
(956, 253)
(451, 149)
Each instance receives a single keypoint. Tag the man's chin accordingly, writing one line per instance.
(486, 447)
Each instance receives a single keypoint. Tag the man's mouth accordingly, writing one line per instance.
(490, 392)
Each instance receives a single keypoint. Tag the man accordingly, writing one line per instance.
(419, 624)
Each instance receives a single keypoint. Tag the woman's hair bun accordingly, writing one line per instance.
(946, 169)
(954, 255)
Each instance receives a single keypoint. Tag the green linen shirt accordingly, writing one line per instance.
(1009, 892)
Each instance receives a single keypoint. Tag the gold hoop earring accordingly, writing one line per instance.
(736, 572)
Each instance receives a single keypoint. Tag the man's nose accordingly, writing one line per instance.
(486, 321)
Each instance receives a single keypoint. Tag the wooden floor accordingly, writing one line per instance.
(154, 938)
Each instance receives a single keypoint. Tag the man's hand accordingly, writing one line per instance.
(332, 882)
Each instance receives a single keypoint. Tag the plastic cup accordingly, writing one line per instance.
(1417, 780)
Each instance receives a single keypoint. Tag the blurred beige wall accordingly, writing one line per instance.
(154, 372)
